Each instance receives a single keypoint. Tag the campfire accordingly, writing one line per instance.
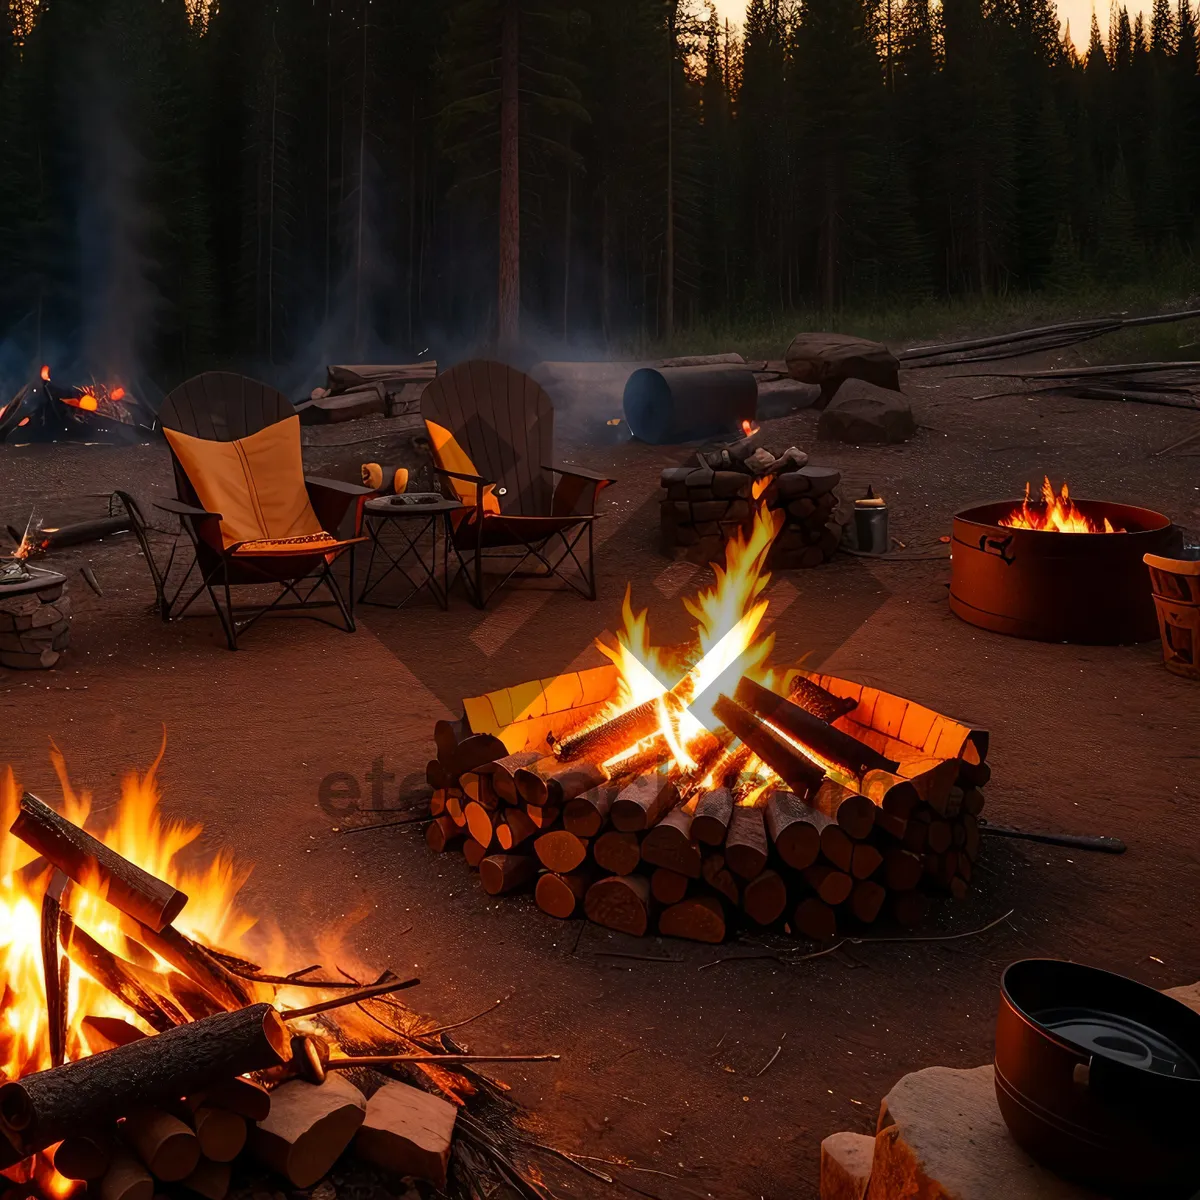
(94, 411)
(140, 1045)
(693, 787)
(1055, 514)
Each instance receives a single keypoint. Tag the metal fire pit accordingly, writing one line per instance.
(1091, 588)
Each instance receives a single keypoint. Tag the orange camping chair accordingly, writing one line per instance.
(252, 515)
(491, 431)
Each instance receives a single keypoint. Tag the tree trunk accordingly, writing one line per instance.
(510, 176)
(669, 266)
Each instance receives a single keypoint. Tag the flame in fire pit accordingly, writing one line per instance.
(749, 428)
(46, 374)
(1055, 514)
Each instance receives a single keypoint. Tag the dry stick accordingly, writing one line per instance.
(773, 1057)
(55, 972)
(460, 1024)
(567, 1156)
(367, 993)
(1077, 841)
(638, 957)
(386, 824)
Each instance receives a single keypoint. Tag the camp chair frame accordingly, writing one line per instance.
(299, 575)
(502, 424)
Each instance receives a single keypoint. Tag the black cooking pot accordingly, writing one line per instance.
(1098, 1078)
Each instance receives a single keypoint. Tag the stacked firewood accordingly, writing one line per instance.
(713, 496)
(635, 847)
(225, 1072)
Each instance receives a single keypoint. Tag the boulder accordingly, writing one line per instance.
(864, 412)
(846, 1166)
(941, 1137)
(829, 358)
(778, 397)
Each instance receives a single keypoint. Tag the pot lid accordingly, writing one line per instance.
(1120, 1039)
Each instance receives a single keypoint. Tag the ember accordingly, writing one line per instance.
(697, 783)
(1054, 514)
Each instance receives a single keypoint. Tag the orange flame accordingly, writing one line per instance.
(1055, 514)
(46, 374)
(749, 428)
(759, 486)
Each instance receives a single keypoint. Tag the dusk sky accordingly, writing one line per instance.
(1078, 12)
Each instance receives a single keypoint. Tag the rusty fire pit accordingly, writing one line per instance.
(1087, 587)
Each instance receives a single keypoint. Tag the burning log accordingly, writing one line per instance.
(831, 885)
(41, 1109)
(617, 852)
(166, 1146)
(765, 898)
(711, 818)
(819, 701)
(620, 902)
(56, 972)
(84, 1157)
(503, 873)
(831, 744)
(560, 851)
(585, 815)
(746, 842)
(614, 735)
(308, 1128)
(855, 813)
(795, 829)
(643, 803)
(561, 895)
(799, 772)
(667, 886)
(89, 861)
(700, 918)
(815, 919)
(670, 844)
(105, 1033)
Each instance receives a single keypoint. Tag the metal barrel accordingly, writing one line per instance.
(668, 405)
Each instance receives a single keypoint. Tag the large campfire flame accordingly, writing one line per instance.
(1054, 514)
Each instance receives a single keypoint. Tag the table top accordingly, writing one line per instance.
(400, 506)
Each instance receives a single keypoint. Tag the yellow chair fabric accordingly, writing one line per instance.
(256, 483)
(450, 456)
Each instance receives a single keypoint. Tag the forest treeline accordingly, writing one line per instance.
(268, 179)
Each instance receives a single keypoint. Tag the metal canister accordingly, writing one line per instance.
(871, 524)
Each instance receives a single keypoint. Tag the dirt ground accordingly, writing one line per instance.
(712, 1079)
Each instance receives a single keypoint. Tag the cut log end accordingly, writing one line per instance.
(620, 902)
(698, 918)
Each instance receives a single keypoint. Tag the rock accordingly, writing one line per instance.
(846, 1166)
(709, 510)
(829, 358)
(350, 406)
(760, 462)
(700, 477)
(778, 397)
(821, 480)
(941, 1137)
(675, 475)
(792, 459)
(408, 1131)
(727, 484)
(864, 412)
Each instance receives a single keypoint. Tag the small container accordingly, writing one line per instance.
(871, 524)
(1176, 587)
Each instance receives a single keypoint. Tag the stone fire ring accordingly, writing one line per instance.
(35, 621)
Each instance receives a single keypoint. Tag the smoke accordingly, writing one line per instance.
(119, 302)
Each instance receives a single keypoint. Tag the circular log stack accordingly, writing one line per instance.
(705, 502)
(631, 855)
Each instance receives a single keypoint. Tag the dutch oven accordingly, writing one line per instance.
(1098, 1078)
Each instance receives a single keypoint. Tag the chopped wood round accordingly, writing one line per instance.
(480, 822)
(477, 787)
(916, 835)
(765, 898)
(617, 852)
(221, 1133)
(560, 895)
(246, 1097)
(865, 860)
(830, 884)
(437, 802)
(126, 1179)
(309, 1127)
(474, 853)
(167, 1147)
(795, 829)
(560, 851)
(720, 878)
(670, 844)
(974, 775)
(854, 812)
(894, 826)
(892, 793)
(446, 736)
(503, 772)
(210, 1180)
(940, 836)
(667, 886)
(436, 774)
(746, 842)
(585, 815)
(83, 1157)
(472, 752)
(441, 833)
(836, 846)
(543, 817)
(973, 800)
(515, 828)
(643, 803)
(698, 918)
(867, 899)
(711, 817)
(503, 873)
(620, 902)
(815, 919)
(902, 869)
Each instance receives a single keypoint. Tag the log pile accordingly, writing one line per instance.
(351, 392)
(226, 1073)
(880, 815)
(711, 497)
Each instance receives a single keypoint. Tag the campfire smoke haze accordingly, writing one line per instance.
(213, 916)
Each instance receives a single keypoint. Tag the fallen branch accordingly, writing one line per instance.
(384, 988)
(1077, 841)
